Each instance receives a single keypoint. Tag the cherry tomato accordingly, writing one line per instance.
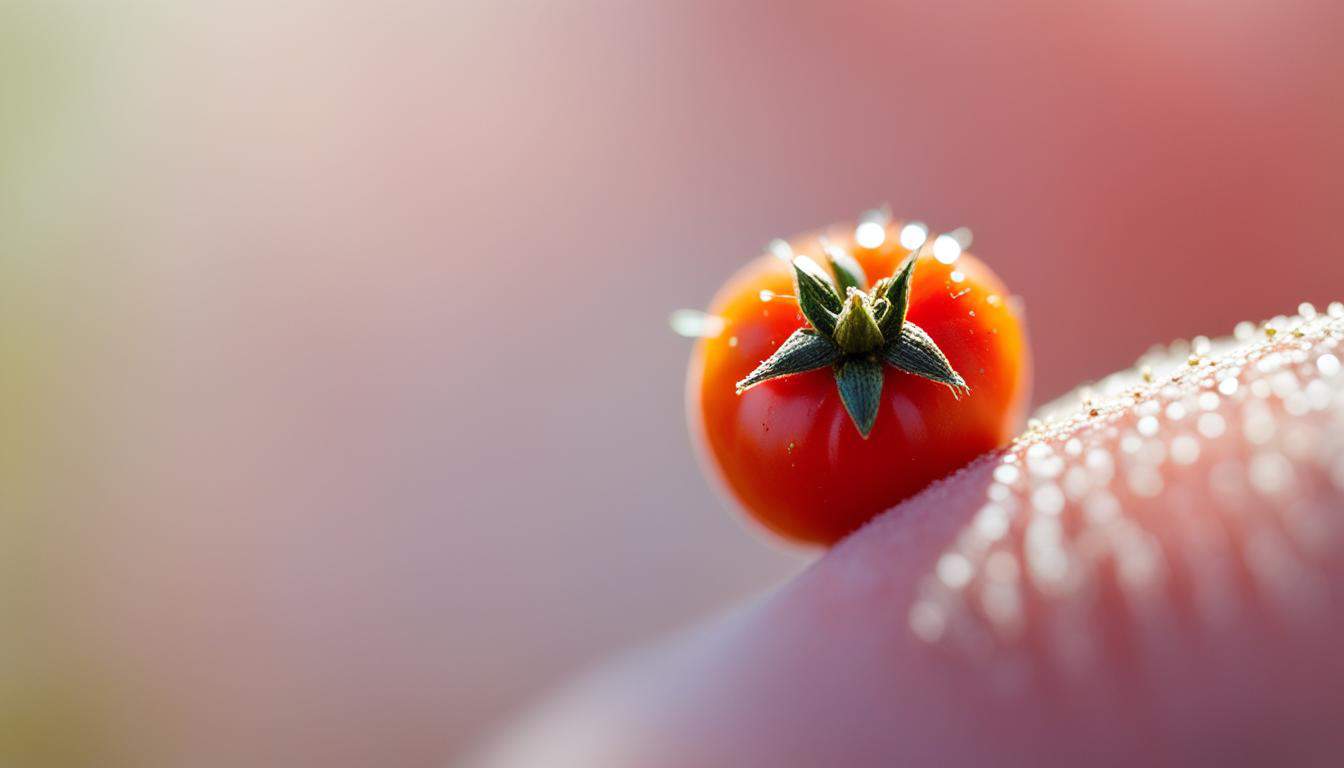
(789, 447)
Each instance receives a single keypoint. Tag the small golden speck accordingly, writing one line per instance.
(1270, 331)
(1193, 361)
(732, 341)
(1297, 333)
(791, 446)
(1147, 374)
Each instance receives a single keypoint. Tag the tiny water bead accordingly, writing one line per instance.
(1327, 364)
(913, 235)
(963, 237)
(766, 296)
(871, 231)
(1105, 484)
(694, 324)
(946, 249)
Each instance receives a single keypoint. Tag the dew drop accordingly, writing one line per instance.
(927, 621)
(1042, 462)
(1270, 473)
(1327, 364)
(963, 236)
(1184, 449)
(1130, 443)
(694, 324)
(991, 522)
(1047, 561)
(1007, 474)
(1077, 484)
(1101, 465)
(999, 492)
(946, 249)
(1283, 383)
(1100, 508)
(913, 235)
(954, 570)
(1002, 602)
(1211, 425)
(1048, 499)
(870, 234)
(1319, 395)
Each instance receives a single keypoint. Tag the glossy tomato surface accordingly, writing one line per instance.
(786, 449)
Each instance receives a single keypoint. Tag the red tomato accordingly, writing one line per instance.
(789, 451)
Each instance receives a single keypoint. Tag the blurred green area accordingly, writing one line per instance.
(47, 698)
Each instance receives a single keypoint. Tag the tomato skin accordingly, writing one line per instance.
(788, 452)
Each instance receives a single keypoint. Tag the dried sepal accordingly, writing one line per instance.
(805, 350)
(914, 352)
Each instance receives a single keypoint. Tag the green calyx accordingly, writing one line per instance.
(855, 331)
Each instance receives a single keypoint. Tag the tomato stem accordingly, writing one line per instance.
(855, 334)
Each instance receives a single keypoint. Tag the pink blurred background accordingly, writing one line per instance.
(341, 418)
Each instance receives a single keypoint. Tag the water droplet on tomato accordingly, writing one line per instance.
(870, 233)
(913, 235)
(694, 324)
(946, 249)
